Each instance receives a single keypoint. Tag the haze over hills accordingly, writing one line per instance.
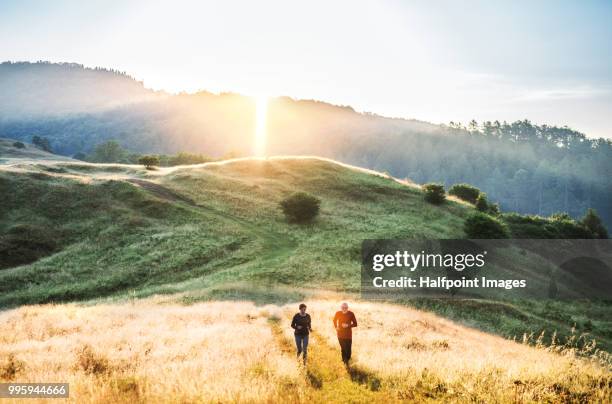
(527, 168)
(50, 89)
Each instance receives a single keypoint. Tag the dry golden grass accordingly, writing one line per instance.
(150, 353)
(155, 351)
(418, 355)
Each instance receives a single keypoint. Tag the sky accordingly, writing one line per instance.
(549, 61)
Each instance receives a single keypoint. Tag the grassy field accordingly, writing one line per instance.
(155, 350)
(77, 231)
(113, 229)
(172, 267)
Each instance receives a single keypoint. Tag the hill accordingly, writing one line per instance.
(52, 89)
(210, 222)
(11, 149)
(527, 168)
(151, 275)
(78, 231)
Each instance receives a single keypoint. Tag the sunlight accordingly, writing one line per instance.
(261, 112)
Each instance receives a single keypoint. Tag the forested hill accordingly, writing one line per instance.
(51, 89)
(526, 167)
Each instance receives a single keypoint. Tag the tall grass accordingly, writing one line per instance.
(157, 351)
(148, 353)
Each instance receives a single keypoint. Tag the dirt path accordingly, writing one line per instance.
(160, 191)
(326, 375)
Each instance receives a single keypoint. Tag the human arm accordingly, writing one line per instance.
(353, 321)
(294, 323)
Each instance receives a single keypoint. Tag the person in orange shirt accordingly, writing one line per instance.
(344, 321)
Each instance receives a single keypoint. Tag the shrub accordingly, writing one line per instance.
(465, 192)
(568, 228)
(434, 193)
(528, 226)
(42, 143)
(188, 158)
(494, 209)
(19, 145)
(149, 161)
(592, 222)
(481, 203)
(478, 225)
(108, 152)
(559, 225)
(300, 207)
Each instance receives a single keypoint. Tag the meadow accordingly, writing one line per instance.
(158, 350)
(139, 285)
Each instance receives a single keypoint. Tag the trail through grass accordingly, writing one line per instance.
(328, 378)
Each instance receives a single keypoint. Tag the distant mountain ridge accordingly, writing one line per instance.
(528, 168)
(48, 89)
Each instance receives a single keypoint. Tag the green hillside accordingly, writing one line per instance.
(113, 228)
(78, 231)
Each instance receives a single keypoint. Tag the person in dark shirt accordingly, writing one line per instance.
(302, 325)
(344, 321)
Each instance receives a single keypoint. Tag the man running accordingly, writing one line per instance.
(344, 321)
(301, 325)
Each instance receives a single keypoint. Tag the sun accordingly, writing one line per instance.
(261, 114)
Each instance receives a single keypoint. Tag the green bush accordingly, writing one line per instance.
(565, 227)
(481, 226)
(593, 223)
(19, 145)
(149, 161)
(465, 192)
(528, 226)
(434, 193)
(42, 143)
(188, 158)
(559, 225)
(481, 203)
(300, 207)
(494, 209)
(108, 152)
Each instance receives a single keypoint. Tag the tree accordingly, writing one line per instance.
(494, 209)
(42, 143)
(592, 221)
(19, 145)
(482, 205)
(300, 207)
(108, 152)
(188, 158)
(149, 161)
(434, 193)
(481, 226)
